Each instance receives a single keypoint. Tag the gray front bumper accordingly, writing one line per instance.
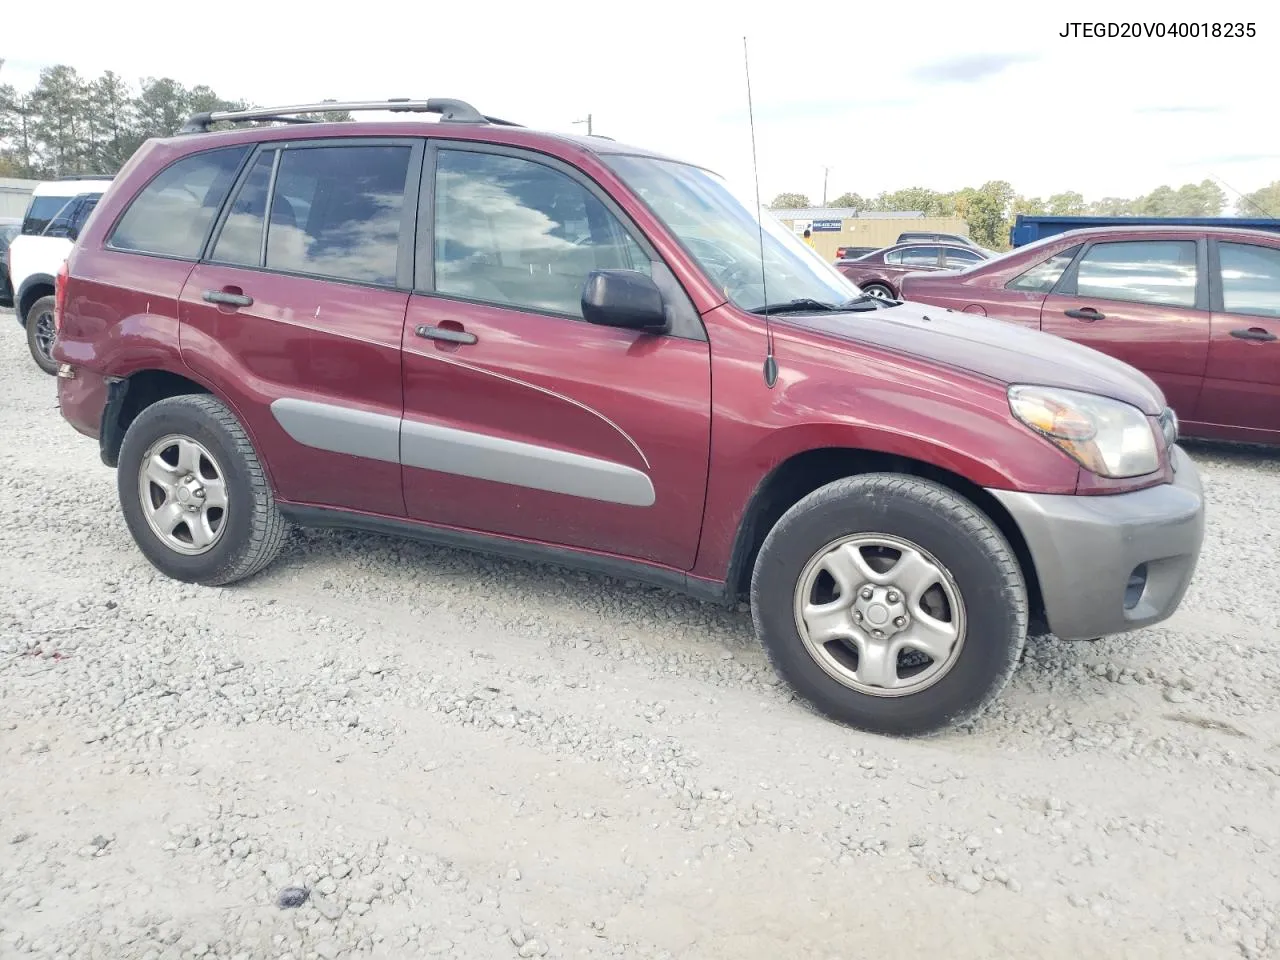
(1085, 549)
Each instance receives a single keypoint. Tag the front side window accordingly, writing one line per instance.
(1250, 279)
(1157, 272)
(721, 228)
(519, 233)
(1045, 275)
(172, 214)
(336, 212)
(40, 212)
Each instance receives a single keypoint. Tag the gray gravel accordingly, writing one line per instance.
(442, 755)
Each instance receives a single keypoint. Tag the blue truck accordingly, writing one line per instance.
(1029, 228)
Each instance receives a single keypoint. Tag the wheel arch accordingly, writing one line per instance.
(806, 471)
(33, 288)
(128, 396)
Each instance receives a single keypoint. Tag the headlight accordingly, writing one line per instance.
(1108, 437)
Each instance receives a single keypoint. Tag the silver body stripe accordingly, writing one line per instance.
(327, 426)
(379, 436)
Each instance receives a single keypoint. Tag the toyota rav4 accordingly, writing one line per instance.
(564, 348)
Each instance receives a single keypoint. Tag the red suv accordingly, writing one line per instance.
(1195, 308)
(564, 348)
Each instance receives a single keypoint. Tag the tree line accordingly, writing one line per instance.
(989, 210)
(70, 124)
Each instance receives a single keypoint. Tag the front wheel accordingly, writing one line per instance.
(40, 333)
(890, 603)
(194, 494)
(879, 291)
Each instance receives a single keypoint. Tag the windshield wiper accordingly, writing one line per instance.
(799, 305)
(866, 303)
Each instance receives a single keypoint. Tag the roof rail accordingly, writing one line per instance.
(454, 111)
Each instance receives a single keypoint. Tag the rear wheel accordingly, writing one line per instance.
(194, 495)
(890, 603)
(878, 290)
(40, 332)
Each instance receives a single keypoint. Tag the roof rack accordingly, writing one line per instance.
(454, 111)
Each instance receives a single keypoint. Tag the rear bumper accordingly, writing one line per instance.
(1108, 564)
(82, 399)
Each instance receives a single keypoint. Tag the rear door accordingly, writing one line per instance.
(1242, 380)
(298, 314)
(1145, 302)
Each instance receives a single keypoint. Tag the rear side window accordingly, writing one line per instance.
(240, 240)
(1250, 279)
(1045, 275)
(336, 212)
(40, 212)
(920, 257)
(1158, 272)
(172, 214)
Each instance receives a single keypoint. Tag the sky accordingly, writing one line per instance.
(887, 95)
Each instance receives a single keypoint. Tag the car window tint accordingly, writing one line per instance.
(893, 256)
(1250, 279)
(519, 233)
(920, 257)
(336, 212)
(1044, 275)
(172, 214)
(39, 212)
(1159, 272)
(240, 240)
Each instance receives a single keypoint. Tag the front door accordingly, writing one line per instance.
(299, 314)
(1242, 382)
(521, 418)
(1144, 302)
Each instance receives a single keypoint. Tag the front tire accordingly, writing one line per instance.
(40, 334)
(890, 603)
(879, 291)
(194, 494)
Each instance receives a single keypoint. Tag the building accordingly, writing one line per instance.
(14, 196)
(832, 227)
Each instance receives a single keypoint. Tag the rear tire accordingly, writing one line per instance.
(194, 494)
(952, 621)
(879, 291)
(40, 333)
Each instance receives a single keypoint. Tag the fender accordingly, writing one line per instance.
(25, 295)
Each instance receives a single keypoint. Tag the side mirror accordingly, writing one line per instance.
(624, 298)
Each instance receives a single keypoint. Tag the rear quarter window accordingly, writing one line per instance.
(172, 215)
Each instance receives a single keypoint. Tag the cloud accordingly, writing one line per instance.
(970, 68)
(816, 109)
(1178, 109)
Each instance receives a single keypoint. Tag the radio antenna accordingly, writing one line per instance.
(1245, 198)
(770, 364)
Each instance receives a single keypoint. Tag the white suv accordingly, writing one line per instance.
(55, 216)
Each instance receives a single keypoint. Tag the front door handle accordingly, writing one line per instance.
(1254, 333)
(228, 297)
(1085, 313)
(445, 334)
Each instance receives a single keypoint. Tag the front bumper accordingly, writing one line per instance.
(1108, 564)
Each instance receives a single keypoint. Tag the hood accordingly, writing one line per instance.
(1003, 351)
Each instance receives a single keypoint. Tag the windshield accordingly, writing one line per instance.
(720, 229)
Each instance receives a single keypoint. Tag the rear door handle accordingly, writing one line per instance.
(445, 334)
(1254, 333)
(224, 296)
(1085, 313)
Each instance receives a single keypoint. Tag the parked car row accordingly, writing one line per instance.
(879, 273)
(55, 216)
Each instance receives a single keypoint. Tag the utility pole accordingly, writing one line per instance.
(587, 122)
(825, 171)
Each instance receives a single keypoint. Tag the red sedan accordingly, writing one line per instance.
(1196, 309)
(879, 273)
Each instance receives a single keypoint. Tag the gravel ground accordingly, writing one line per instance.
(464, 757)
